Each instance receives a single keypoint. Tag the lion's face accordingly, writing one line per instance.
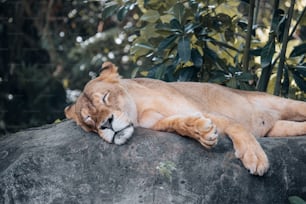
(105, 107)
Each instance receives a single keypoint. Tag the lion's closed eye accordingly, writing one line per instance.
(105, 98)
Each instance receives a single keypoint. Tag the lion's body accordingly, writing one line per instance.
(109, 105)
(187, 98)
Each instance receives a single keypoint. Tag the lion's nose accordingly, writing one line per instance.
(108, 123)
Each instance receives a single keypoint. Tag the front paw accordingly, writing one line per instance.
(254, 159)
(204, 131)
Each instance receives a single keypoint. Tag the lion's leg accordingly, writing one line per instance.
(202, 129)
(294, 110)
(284, 128)
(289, 109)
(247, 149)
(196, 126)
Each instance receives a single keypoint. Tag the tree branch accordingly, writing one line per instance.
(283, 51)
(246, 52)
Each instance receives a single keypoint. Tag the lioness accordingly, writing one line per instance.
(112, 107)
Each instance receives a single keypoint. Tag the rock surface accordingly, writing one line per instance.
(63, 164)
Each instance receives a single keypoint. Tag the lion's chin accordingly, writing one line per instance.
(119, 137)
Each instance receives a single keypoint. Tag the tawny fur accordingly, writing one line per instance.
(197, 110)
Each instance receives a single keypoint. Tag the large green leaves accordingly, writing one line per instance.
(109, 11)
(167, 42)
(184, 50)
(141, 49)
(174, 27)
(123, 10)
(299, 75)
(196, 58)
(179, 11)
(267, 53)
(150, 16)
(205, 42)
(298, 50)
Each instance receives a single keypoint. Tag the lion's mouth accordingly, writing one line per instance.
(121, 136)
(118, 137)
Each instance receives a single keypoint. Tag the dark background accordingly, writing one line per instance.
(41, 59)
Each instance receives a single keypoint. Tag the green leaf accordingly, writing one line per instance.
(141, 49)
(144, 46)
(157, 72)
(175, 24)
(149, 31)
(281, 28)
(299, 80)
(296, 200)
(146, 2)
(242, 25)
(301, 69)
(166, 169)
(160, 71)
(213, 56)
(278, 14)
(285, 83)
(244, 76)
(223, 20)
(194, 6)
(232, 83)
(109, 11)
(166, 42)
(256, 52)
(179, 11)
(189, 27)
(123, 10)
(184, 50)
(264, 78)
(298, 50)
(163, 26)
(218, 77)
(246, 86)
(150, 16)
(196, 58)
(187, 74)
(267, 54)
(166, 28)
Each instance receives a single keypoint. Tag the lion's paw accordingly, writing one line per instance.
(254, 159)
(204, 131)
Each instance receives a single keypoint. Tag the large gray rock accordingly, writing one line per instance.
(63, 164)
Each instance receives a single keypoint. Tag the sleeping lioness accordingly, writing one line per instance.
(112, 107)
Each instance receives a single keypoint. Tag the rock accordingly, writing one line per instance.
(63, 164)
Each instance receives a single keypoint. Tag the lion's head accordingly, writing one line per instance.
(105, 107)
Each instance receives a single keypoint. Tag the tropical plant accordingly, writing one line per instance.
(215, 41)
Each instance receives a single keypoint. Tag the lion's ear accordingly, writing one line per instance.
(109, 72)
(70, 112)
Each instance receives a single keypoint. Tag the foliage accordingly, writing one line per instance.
(30, 101)
(204, 41)
(166, 169)
(296, 200)
(47, 47)
(30, 94)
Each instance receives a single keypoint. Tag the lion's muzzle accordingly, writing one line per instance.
(116, 130)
